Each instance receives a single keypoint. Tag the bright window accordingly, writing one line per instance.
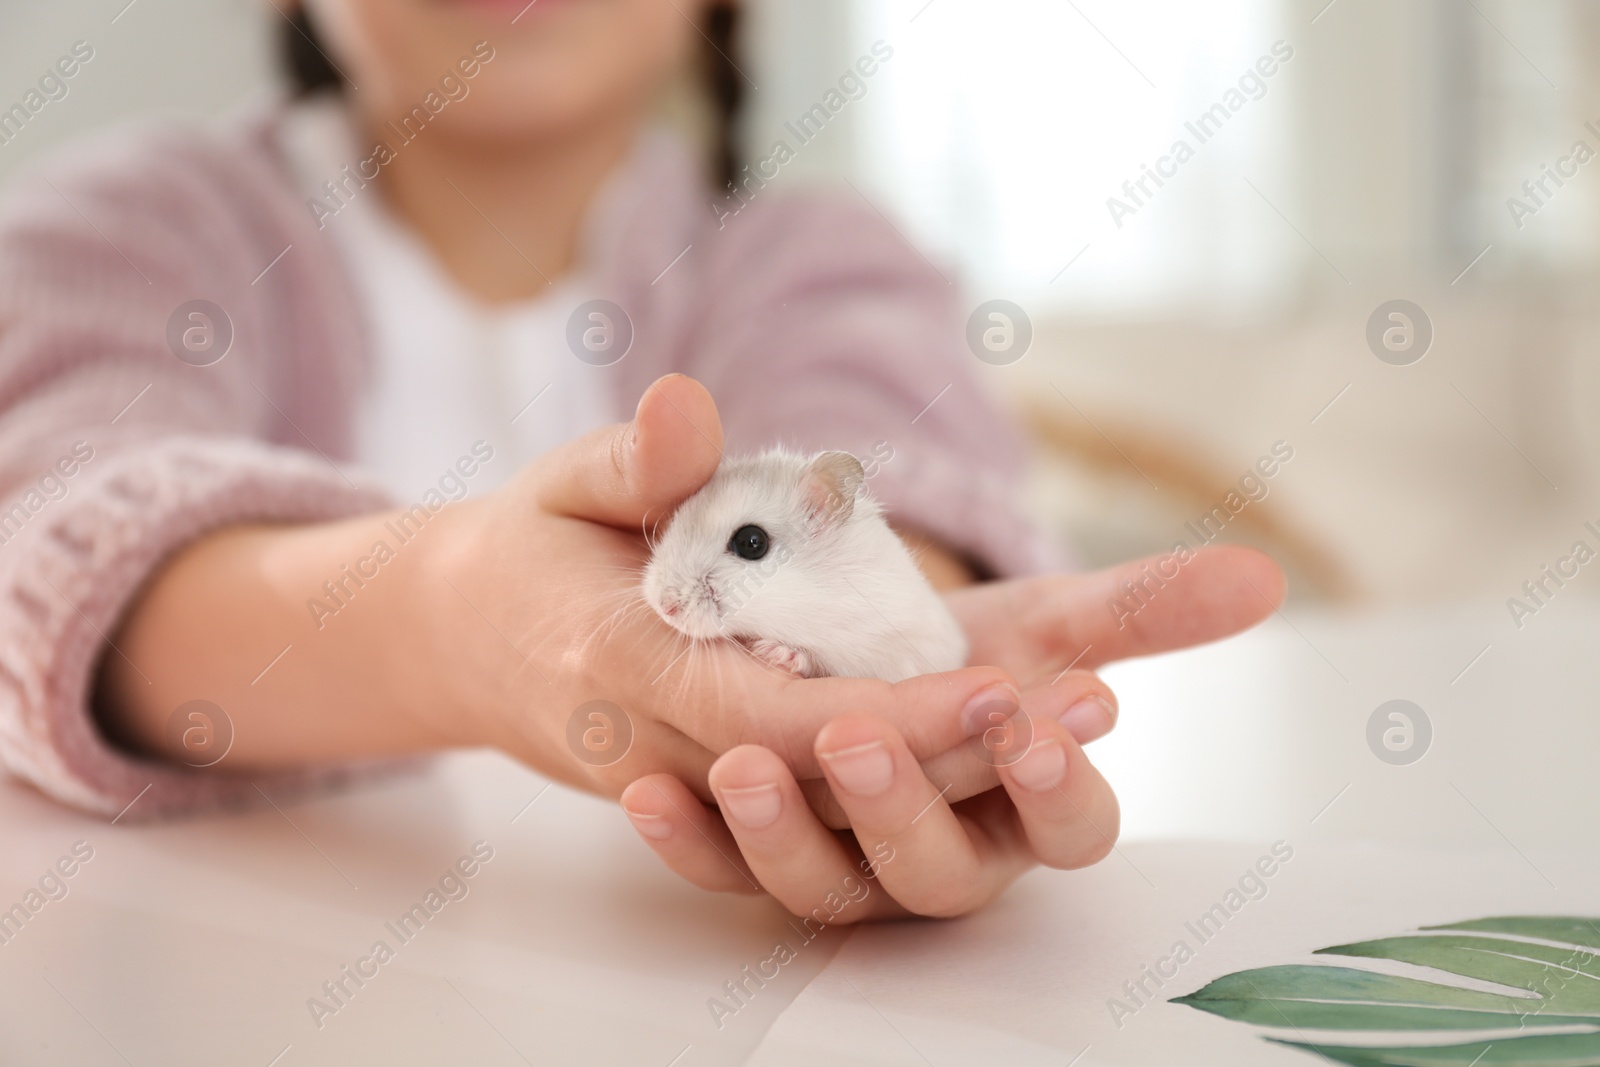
(1008, 125)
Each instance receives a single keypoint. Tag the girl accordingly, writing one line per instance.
(453, 262)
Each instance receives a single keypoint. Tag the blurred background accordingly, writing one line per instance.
(1177, 339)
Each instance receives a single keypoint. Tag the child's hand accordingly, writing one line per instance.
(935, 853)
(494, 625)
(1036, 627)
(930, 857)
(533, 601)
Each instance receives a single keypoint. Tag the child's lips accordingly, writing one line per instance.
(514, 9)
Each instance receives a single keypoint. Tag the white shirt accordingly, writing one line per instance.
(449, 372)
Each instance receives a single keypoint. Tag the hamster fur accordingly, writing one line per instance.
(835, 593)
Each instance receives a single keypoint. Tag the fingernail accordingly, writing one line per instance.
(1088, 719)
(753, 806)
(865, 770)
(655, 827)
(991, 707)
(1043, 766)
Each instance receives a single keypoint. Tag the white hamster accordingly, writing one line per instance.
(789, 556)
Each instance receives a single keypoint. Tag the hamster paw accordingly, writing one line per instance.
(785, 658)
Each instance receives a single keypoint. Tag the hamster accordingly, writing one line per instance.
(787, 555)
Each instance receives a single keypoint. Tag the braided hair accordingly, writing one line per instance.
(725, 86)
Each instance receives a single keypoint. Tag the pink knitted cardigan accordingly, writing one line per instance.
(808, 318)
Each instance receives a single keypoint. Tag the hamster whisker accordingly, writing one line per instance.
(609, 625)
(632, 570)
(622, 598)
(706, 652)
(702, 650)
(632, 606)
(647, 529)
(689, 644)
(691, 667)
(716, 664)
(622, 605)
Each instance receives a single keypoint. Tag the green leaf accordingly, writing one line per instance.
(1543, 1050)
(1568, 929)
(1342, 998)
(1564, 979)
(1554, 984)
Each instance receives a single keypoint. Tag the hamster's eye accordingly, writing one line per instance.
(748, 542)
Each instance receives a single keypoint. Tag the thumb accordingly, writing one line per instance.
(622, 474)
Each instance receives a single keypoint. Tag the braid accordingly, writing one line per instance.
(725, 86)
(301, 56)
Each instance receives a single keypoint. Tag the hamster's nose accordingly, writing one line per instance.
(669, 605)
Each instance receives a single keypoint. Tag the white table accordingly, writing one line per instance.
(1239, 746)
(201, 942)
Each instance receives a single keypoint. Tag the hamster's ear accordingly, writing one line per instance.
(832, 481)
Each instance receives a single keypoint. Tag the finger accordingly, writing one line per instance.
(1140, 610)
(934, 712)
(1148, 605)
(928, 862)
(623, 475)
(1066, 809)
(1079, 700)
(689, 839)
(799, 861)
(651, 748)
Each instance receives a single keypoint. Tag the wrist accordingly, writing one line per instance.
(467, 673)
(387, 584)
(296, 633)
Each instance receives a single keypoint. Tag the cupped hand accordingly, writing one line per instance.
(533, 596)
(931, 828)
(545, 623)
(909, 851)
(932, 836)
